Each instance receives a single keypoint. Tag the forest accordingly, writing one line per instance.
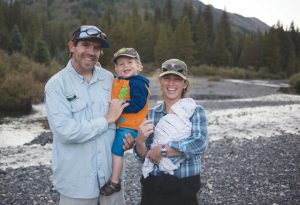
(33, 41)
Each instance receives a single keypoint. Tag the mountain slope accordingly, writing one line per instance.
(239, 23)
(75, 9)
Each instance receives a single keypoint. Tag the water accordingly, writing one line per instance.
(246, 123)
(18, 129)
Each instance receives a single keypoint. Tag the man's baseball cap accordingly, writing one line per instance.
(127, 52)
(174, 66)
(87, 32)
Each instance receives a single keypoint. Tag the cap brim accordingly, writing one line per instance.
(104, 43)
(173, 72)
(126, 55)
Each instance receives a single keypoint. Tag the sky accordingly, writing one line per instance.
(268, 11)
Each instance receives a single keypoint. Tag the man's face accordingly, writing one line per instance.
(85, 55)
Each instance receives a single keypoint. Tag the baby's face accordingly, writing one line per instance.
(127, 67)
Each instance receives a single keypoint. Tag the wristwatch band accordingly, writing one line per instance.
(164, 150)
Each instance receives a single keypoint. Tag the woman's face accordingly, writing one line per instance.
(172, 87)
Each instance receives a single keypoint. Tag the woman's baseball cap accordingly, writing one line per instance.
(87, 32)
(174, 66)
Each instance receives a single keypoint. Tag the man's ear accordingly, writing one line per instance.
(71, 46)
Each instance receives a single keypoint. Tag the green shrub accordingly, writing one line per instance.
(295, 83)
(214, 78)
(234, 72)
(22, 81)
(17, 91)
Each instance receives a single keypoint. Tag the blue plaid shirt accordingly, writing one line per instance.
(191, 147)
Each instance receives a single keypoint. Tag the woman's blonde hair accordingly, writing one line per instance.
(185, 90)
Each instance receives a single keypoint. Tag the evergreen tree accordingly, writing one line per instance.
(237, 52)
(252, 51)
(168, 15)
(145, 41)
(4, 34)
(41, 52)
(146, 14)
(284, 44)
(188, 11)
(272, 52)
(182, 45)
(201, 42)
(292, 62)
(31, 34)
(107, 16)
(45, 29)
(157, 15)
(2, 15)
(225, 26)
(209, 21)
(132, 24)
(221, 53)
(162, 45)
(294, 35)
(223, 43)
(14, 15)
(168, 11)
(16, 40)
(119, 40)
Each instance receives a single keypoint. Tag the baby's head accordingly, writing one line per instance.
(127, 62)
(184, 108)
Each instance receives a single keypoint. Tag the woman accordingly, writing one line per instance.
(182, 187)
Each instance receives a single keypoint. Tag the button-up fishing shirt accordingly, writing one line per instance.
(82, 138)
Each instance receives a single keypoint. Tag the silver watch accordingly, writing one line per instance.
(164, 150)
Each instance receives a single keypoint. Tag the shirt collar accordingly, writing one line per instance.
(96, 73)
(160, 108)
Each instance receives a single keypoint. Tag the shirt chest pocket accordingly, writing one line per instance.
(78, 108)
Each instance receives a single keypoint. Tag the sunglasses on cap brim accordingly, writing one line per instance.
(89, 32)
(170, 67)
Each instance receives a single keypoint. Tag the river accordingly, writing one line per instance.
(18, 130)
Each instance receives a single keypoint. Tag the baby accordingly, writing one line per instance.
(172, 127)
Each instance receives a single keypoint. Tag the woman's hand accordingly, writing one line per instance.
(145, 129)
(154, 154)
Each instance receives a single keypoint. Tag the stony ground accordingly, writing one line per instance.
(263, 170)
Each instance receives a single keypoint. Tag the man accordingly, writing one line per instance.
(81, 116)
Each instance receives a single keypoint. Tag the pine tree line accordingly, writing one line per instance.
(157, 34)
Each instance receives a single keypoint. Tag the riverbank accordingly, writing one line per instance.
(253, 155)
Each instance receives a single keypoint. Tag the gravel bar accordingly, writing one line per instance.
(260, 171)
(264, 170)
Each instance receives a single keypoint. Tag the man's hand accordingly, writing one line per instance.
(116, 108)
